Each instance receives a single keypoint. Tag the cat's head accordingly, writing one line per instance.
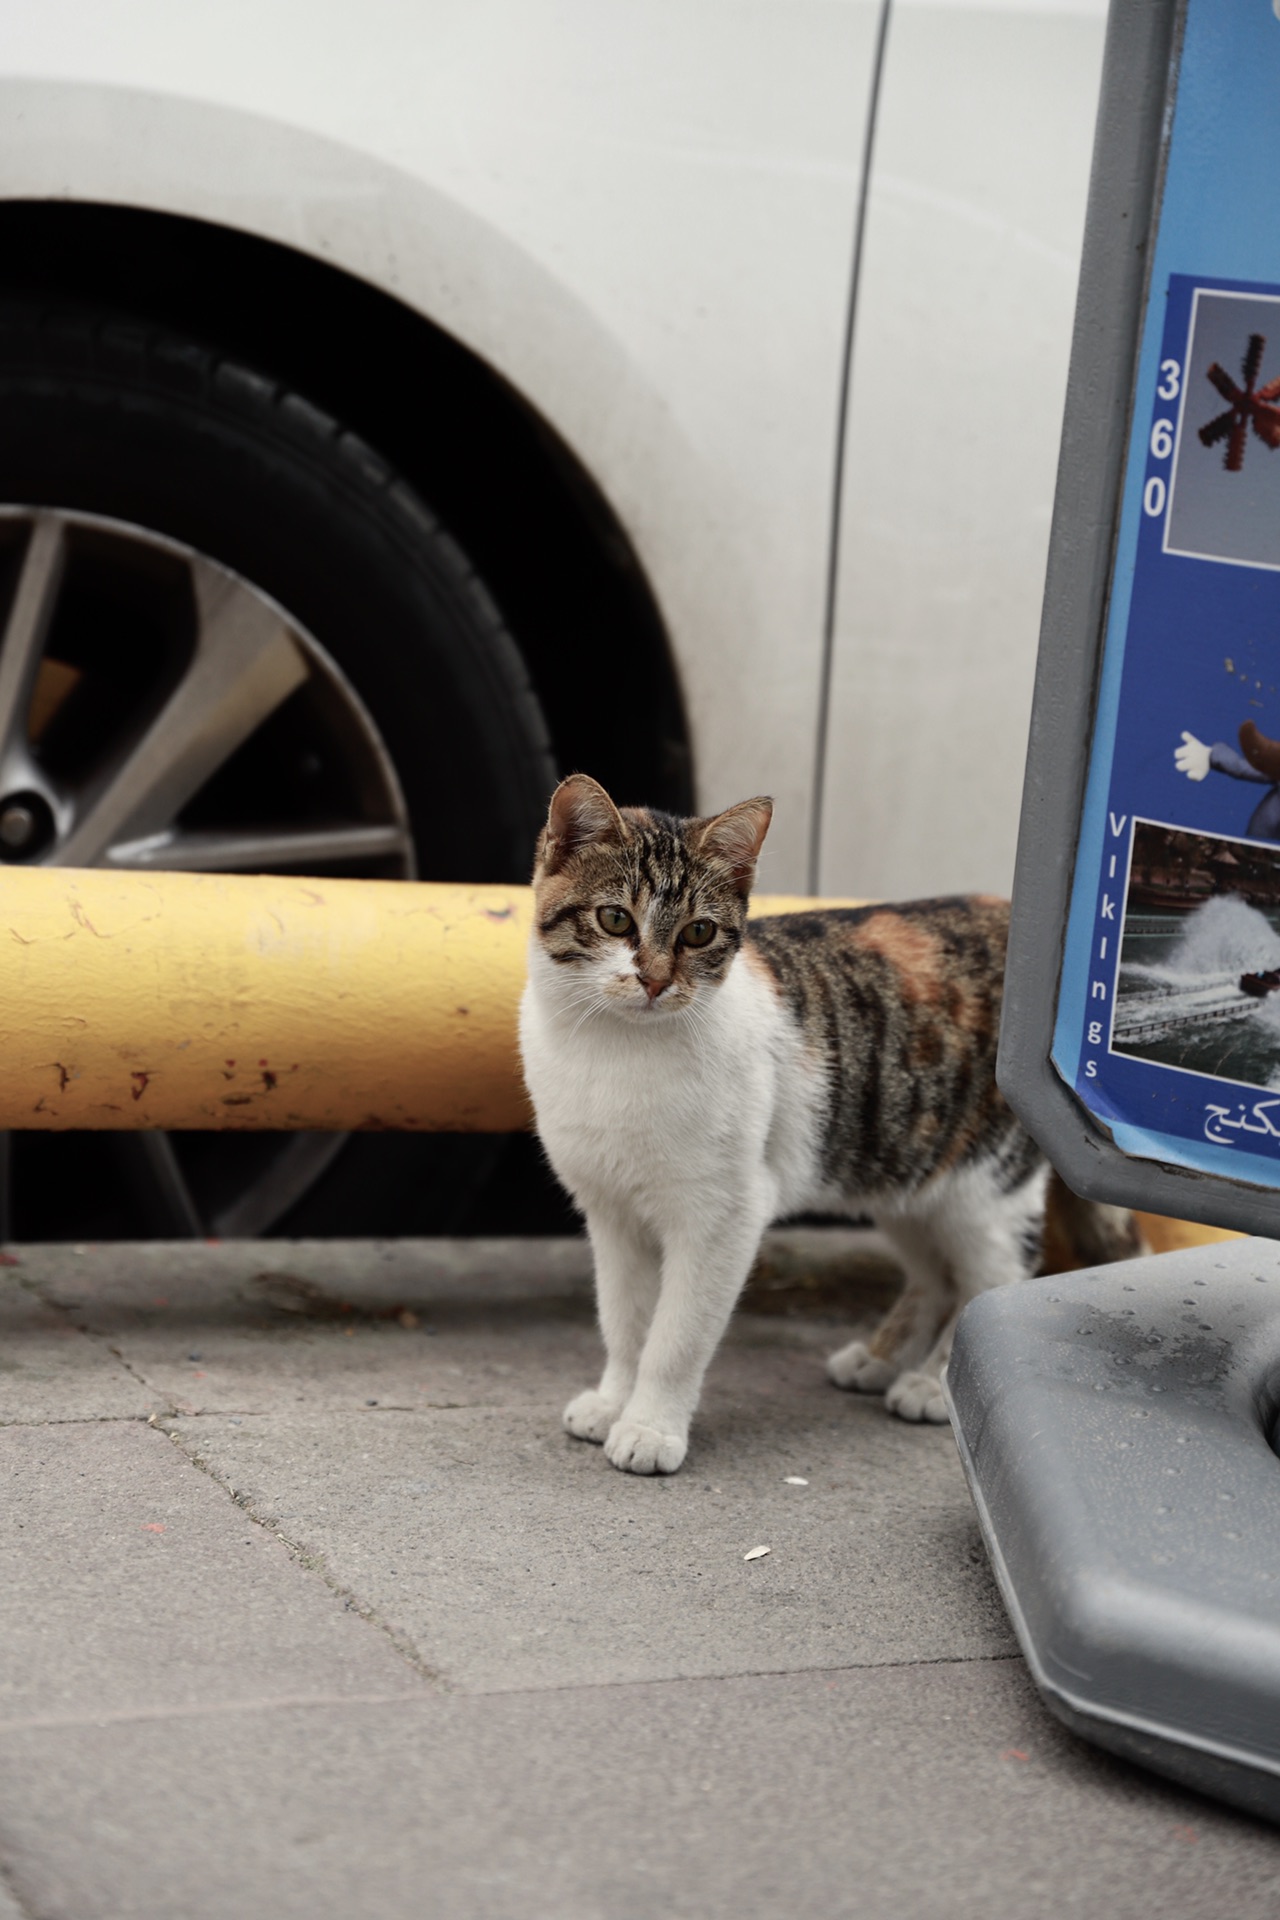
(641, 913)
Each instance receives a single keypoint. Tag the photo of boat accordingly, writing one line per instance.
(1198, 983)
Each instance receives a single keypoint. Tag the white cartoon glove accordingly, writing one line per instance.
(1192, 757)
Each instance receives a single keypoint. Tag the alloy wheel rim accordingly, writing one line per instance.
(159, 711)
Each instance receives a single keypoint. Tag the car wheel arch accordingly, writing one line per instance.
(535, 524)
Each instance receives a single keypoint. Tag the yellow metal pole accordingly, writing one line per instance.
(206, 1000)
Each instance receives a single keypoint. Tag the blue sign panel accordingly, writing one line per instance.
(1168, 1023)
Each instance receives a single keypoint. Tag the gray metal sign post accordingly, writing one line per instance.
(1117, 1425)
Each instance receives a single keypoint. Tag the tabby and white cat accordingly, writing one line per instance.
(696, 1077)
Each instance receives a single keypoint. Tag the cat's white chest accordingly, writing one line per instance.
(643, 1117)
(620, 1113)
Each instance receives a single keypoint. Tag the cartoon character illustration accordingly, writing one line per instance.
(1257, 761)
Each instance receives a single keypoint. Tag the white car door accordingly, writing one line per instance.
(966, 297)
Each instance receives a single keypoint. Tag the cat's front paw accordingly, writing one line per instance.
(590, 1416)
(918, 1396)
(858, 1370)
(639, 1449)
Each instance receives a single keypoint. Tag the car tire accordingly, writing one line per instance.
(131, 434)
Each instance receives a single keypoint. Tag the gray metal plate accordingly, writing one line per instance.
(1115, 1426)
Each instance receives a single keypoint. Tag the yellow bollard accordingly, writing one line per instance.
(207, 1000)
(184, 1000)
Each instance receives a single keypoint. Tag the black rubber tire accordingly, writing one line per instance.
(104, 414)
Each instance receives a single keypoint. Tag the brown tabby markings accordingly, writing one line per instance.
(914, 1311)
(913, 952)
(902, 1004)
(1086, 1233)
(652, 871)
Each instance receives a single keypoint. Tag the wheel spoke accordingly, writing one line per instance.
(152, 1167)
(246, 661)
(264, 851)
(293, 1172)
(23, 640)
(246, 664)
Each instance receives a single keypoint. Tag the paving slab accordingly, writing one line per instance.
(50, 1369)
(308, 1606)
(253, 1328)
(257, 1365)
(510, 1555)
(921, 1793)
(248, 1327)
(145, 1285)
(130, 1582)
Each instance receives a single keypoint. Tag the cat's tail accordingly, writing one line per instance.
(1086, 1233)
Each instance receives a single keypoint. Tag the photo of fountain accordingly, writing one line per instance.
(1198, 984)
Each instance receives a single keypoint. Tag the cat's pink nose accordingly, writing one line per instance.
(652, 987)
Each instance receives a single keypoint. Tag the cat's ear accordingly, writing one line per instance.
(581, 815)
(733, 839)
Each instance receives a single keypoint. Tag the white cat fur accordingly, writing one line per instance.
(682, 1132)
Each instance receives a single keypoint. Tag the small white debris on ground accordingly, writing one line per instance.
(794, 1480)
(757, 1553)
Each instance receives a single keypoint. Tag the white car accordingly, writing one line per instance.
(401, 403)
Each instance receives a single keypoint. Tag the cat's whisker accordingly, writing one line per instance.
(588, 994)
(589, 997)
(698, 1020)
(597, 1006)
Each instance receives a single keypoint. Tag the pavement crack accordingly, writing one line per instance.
(629, 1683)
(194, 1710)
(307, 1558)
(131, 1370)
(86, 1420)
(30, 1284)
(12, 1905)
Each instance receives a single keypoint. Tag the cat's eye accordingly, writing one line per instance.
(614, 919)
(698, 933)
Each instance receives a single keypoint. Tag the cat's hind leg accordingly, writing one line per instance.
(916, 1394)
(909, 1329)
(628, 1274)
(987, 1237)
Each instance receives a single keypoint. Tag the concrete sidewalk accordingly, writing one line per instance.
(310, 1608)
